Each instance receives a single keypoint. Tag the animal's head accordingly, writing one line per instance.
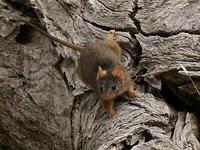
(110, 82)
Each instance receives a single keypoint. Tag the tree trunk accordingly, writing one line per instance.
(44, 104)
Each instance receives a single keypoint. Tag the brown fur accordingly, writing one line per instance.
(105, 54)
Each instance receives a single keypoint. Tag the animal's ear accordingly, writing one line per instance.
(101, 73)
(118, 72)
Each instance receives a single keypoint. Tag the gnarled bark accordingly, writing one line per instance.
(44, 104)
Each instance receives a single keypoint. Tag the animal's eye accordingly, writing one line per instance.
(114, 87)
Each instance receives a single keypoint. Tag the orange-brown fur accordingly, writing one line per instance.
(104, 61)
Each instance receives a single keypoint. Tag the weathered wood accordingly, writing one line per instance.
(163, 58)
(186, 132)
(34, 101)
(161, 17)
(157, 144)
(44, 104)
(143, 118)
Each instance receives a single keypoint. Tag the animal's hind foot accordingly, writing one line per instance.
(111, 35)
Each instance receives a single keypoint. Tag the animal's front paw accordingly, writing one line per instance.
(112, 113)
(133, 93)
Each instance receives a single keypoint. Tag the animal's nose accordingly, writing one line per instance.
(105, 97)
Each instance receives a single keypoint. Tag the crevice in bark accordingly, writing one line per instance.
(105, 5)
(23, 6)
(167, 34)
(133, 50)
(4, 140)
(137, 49)
(189, 105)
(147, 135)
(24, 35)
(136, 22)
(71, 123)
(75, 105)
(126, 146)
(77, 100)
(4, 147)
(170, 98)
(106, 28)
(58, 68)
(138, 74)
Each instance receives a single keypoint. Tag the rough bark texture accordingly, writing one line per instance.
(44, 104)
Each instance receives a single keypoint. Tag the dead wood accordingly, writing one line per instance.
(44, 104)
